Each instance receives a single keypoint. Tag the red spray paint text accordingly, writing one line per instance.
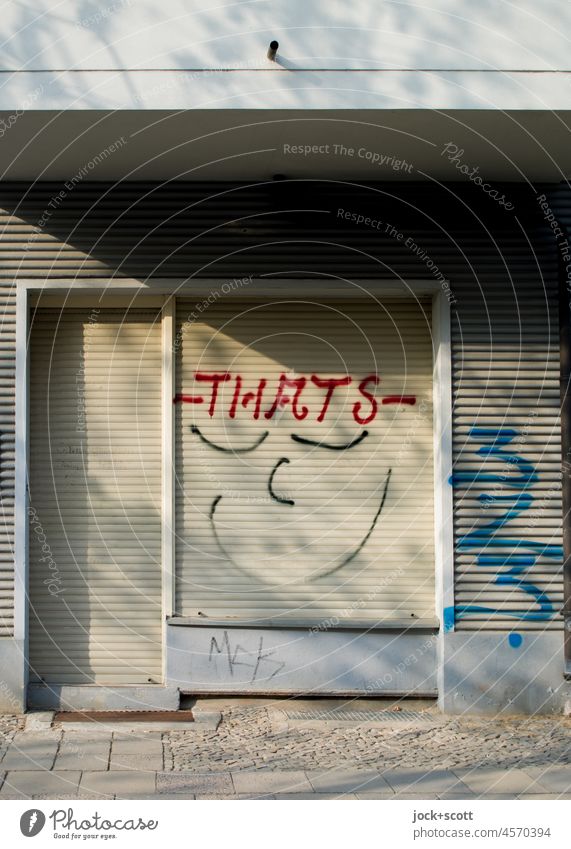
(289, 391)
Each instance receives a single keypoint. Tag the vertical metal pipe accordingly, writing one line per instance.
(564, 276)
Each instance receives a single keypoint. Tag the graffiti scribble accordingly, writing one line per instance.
(318, 444)
(263, 436)
(364, 409)
(278, 498)
(346, 560)
(240, 656)
(365, 539)
(490, 550)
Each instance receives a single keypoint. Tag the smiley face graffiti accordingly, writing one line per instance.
(347, 558)
(304, 461)
(304, 448)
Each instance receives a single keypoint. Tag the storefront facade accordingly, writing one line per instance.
(274, 483)
(291, 429)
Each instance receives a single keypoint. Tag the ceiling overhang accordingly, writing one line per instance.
(229, 144)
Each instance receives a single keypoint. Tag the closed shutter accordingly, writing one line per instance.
(504, 311)
(507, 461)
(289, 508)
(7, 383)
(95, 496)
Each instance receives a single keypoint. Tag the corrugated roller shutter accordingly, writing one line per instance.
(95, 496)
(297, 498)
(501, 268)
(7, 383)
(507, 462)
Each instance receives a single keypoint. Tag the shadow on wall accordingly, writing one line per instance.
(95, 530)
(125, 34)
(234, 230)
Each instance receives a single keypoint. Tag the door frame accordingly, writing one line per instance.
(162, 292)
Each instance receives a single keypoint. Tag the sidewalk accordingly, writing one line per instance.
(291, 750)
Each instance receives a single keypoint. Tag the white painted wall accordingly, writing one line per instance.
(334, 54)
(360, 34)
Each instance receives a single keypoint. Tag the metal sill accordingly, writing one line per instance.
(316, 625)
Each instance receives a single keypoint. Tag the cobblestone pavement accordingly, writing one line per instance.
(281, 751)
(252, 738)
(9, 725)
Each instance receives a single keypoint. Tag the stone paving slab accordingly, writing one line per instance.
(137, 746)
(206, 720)
(422, 781)
(133, 734)
(30, 754)
(79, 746)
(452, 797)
(86, 763)
(95, 738)
(28, 783)
(552, 779)
(500, 796)
(60, 796)
(87, 755)
(91, 794)
(390, 797)
(250, 797)
(36, 736)
(487, 780)
(466, 794)
(118, 782)
(180, 782)
(172, 797)
(271, 782)
(7, 797)
(544, 797)
(144, 763)
(39, 720)
(348, 780)
(317, 797)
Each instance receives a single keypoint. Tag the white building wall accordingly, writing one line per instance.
(133, 54)
(176, 34)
